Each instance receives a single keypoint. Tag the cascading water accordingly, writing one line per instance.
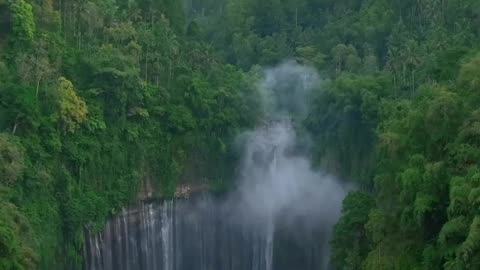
(177, 235)
(279, 217)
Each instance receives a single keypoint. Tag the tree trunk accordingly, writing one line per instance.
(169, 73)
(80, 175)
(158, 71)
(146, 65)
(395, 84)
(79, 34)
(61, 12)
(296, 18)
(38, 87)
(15, 126)
(413, 83)
(74, 25)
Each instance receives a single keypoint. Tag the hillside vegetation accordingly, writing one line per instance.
(97, 96)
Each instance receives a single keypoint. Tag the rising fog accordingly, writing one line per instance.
(279, 217)
(277, 186)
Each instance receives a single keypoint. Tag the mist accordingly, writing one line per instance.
(285, 89)
(279, 216)
(277, 187)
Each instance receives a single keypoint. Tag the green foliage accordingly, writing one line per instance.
(397, 114)
(72, 109)
(469, 75)
(12, 160)
(23, 20)
(142, 102)
(150, 98)
(350, 231)
(341, 121)
(15, 250)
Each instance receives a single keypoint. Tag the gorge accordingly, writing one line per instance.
(279, 217)
(239, 134)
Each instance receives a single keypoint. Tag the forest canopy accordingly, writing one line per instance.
(99, 96)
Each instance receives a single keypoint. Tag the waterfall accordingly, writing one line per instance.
(167, 235)
(280, 208)
(178, 235)
(278, 218)
(270, 223)
(269, 246)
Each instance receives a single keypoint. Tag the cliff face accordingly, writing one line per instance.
(191, 181)
(149, 192)
(279, 217)
(197, 234)
(181, 235)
